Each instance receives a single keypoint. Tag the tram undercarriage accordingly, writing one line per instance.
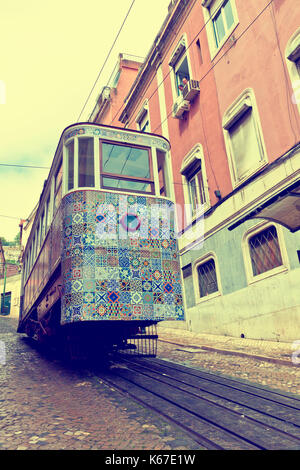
(93, 340)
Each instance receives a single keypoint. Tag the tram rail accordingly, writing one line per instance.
(217, 412)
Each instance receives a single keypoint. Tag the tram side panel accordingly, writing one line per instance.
(38, 284)
(119, 259)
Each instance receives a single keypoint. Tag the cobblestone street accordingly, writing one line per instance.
(45, 404)
(264, 362)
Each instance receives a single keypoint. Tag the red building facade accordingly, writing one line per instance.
(221, 83)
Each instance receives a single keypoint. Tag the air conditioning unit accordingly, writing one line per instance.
(191, 90)
(179, 107)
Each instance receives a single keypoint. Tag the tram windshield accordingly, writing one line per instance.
(126, 167)
(93, 162)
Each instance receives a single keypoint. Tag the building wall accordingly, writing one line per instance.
(251, 59)
(257, 60)
(126, 74)
(13, 285)
(267, 308)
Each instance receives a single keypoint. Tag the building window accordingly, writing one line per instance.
(144, 124)
(221, 19)
(124, 167)
(194, 181)
(143, 119)
(243, 138)
(293, 63)
(265, 251)
(206, 278)
(181, 70)
(196, 188)
(222, 22)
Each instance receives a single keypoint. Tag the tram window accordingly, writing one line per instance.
(58, 177)
(70, 153)
(86, 176)
(126, 185)
(43, 226)
(127, 168)
(33, 250)
(38, 236)
(161, 166)
(58, 182)
(47, 214)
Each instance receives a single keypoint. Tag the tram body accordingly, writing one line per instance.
(101, 265)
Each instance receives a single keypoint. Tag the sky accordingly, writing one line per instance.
(51, 54)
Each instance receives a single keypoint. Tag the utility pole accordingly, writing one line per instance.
(4, 287)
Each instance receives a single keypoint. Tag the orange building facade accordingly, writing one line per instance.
(222, 84)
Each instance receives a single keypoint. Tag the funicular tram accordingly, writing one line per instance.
(101, 266)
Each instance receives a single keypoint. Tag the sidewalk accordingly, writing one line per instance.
(269, 351)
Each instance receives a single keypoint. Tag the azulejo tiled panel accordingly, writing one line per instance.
(120, 259)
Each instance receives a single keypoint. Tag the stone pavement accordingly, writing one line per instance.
(267, 363)
(270, 351)
(46, 405)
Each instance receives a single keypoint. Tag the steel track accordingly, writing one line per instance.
(215, 411)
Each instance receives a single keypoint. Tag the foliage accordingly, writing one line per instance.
(15, 241)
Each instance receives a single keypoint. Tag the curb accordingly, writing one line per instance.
(234, 353)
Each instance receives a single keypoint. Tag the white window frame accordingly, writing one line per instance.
(75, 171)
(210, 9)
(196, 153)
(245, 102)
(292, 55)
(196, 264)
(175, 63)
(251, 278)
(143, 115)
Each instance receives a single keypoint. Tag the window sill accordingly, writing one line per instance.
(267, 274)
(200, 300)
(239, 182)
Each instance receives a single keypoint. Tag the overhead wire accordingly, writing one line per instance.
(200, 80)
(164, 78)
(10, 217)
(107, 57)
(25, 166)
(221, 57)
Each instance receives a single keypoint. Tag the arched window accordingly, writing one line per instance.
(206, 278)
(264, 251)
